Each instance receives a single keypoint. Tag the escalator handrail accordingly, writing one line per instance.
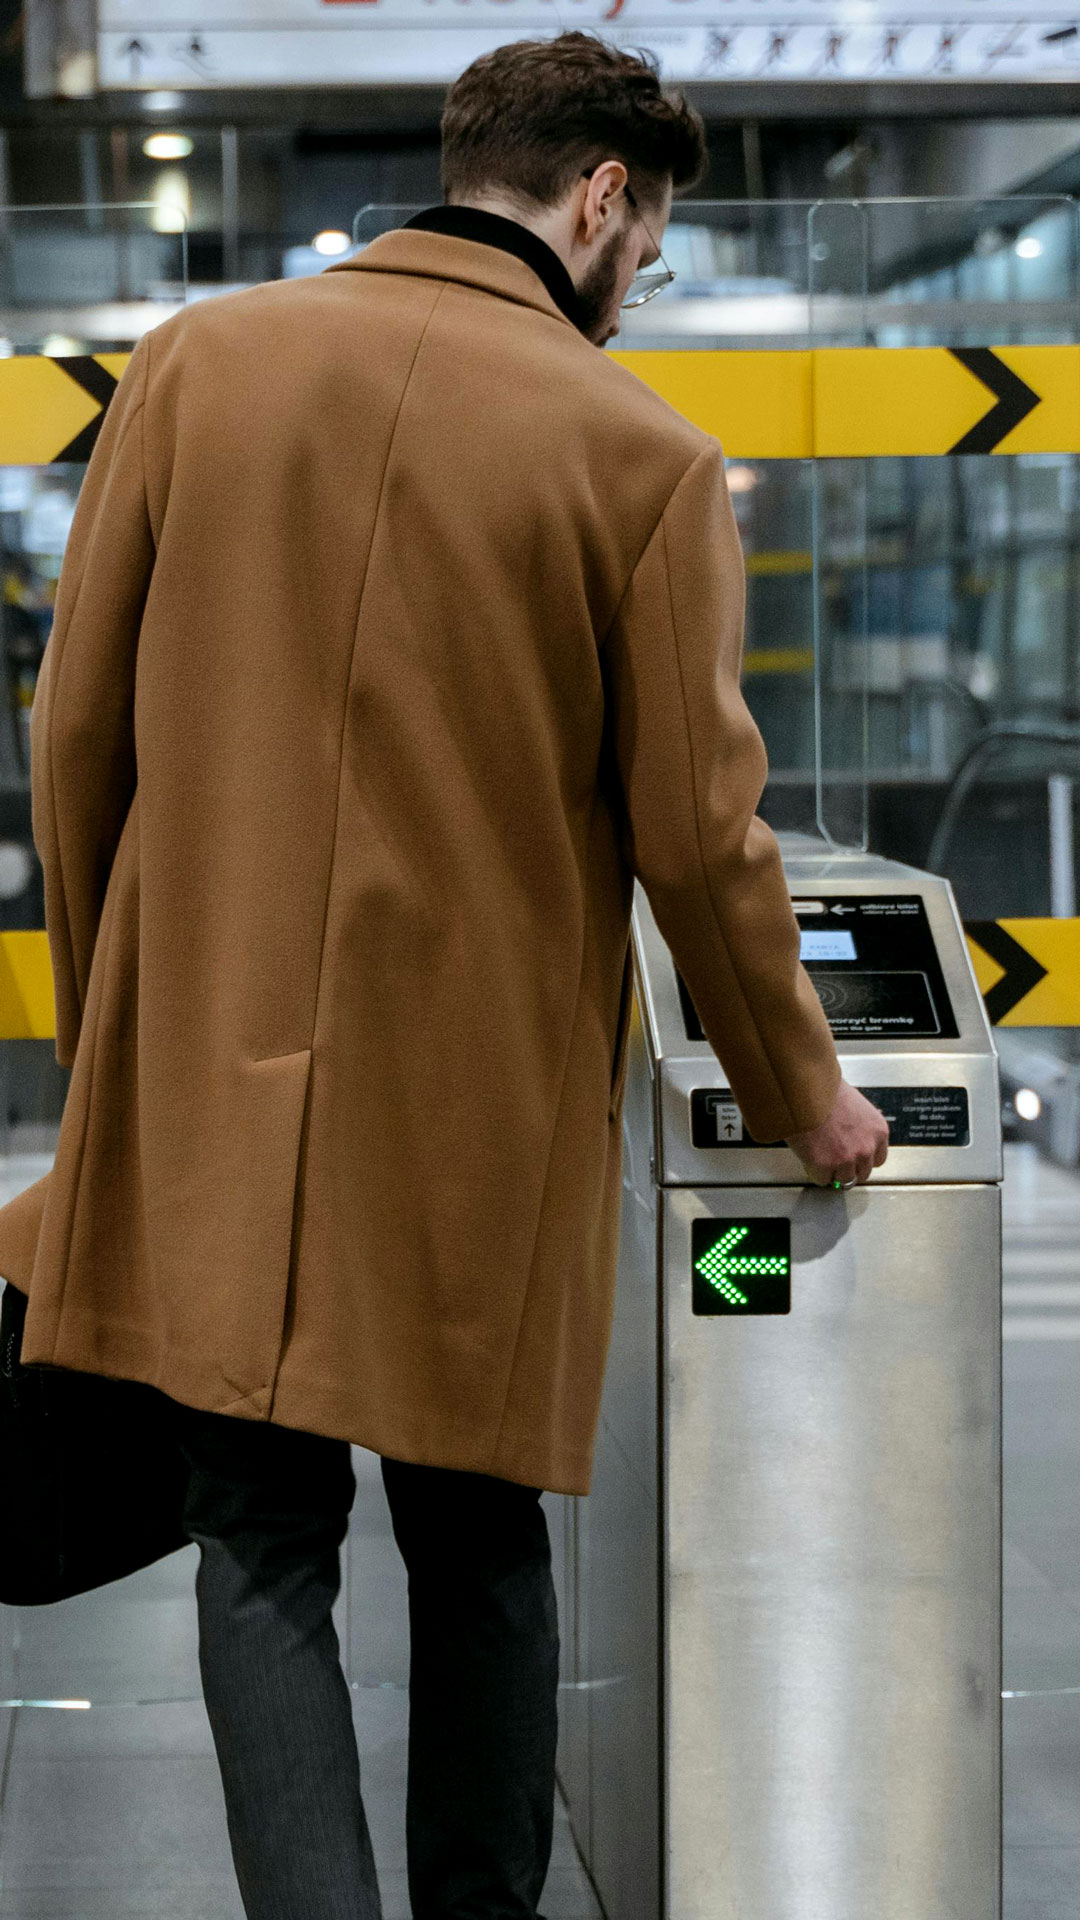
(985, 744)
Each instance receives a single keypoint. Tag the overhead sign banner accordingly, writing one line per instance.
(829, 403)
(267, 43)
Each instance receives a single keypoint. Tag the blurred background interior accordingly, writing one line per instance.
(855, 195)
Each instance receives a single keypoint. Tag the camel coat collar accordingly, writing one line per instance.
(508, 236)
(442, 256)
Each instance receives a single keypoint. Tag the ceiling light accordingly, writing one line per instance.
(987, 242)
(741, 479)
(168, 146)
(841, 162)
(77, 78)
(1029, 248)
(172, 202)
(16, 869)
(1027, 1103)
(331, 240)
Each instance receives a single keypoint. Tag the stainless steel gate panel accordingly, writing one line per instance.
(609, 1760)
(832, 1566)
(967, 1059)
(783, 1609)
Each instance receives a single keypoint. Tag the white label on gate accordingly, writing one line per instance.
(728, 1119)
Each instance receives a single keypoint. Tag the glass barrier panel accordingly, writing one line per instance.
(75, 282)
(972, 643)
(743, 284)
(969, 558)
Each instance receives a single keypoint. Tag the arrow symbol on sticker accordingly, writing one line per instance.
(1015, 399)
(719, 1265)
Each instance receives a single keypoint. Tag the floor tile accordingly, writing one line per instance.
(1042, 1640)
(1042, 1772)
(1018, 1573)
(145, 1825)
(119, 1811)
(1042, 1883)
(178, 1729)
(114, 1903)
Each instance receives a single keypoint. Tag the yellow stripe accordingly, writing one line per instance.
(856, 402)
(28, 1008)
(779, 660)
(27, 1003)
(827, 403)
(757, 404)
(780, 561)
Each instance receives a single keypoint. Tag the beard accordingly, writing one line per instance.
(596, 288)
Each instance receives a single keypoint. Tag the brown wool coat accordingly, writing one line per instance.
(399, 628)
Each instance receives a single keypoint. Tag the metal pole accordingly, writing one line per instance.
(6, 195)
(752, 168)
(1059, 790)
(90, 179)
(230, 205)
(60, 40)
(121, 192)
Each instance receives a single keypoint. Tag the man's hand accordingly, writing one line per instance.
(848, 1145)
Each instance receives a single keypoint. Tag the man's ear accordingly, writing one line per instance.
(602, 190)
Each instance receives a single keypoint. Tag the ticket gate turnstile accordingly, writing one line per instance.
(781, 1601)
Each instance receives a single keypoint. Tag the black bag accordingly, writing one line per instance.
(92, 1478)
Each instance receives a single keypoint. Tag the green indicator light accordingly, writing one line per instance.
(741, 1266)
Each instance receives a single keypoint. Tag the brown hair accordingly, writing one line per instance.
(530, 117)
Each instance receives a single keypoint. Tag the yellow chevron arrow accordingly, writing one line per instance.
(920, 400)
(41, 410)
(1053, 1000)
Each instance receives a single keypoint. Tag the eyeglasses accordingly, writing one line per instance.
(643, 286)
(646, 286)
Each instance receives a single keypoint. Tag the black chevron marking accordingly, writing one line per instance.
(1015, 399)
(1022, 970)
(99, 383)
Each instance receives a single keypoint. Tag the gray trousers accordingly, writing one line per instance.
(269, 1507)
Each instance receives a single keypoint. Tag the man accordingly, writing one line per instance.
(399, 630)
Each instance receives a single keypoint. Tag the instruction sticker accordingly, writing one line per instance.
(924, 1116)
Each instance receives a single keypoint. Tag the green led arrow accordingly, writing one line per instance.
(718, 1266)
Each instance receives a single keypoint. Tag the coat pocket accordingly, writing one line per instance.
(622, 1034)
(220, 1201)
